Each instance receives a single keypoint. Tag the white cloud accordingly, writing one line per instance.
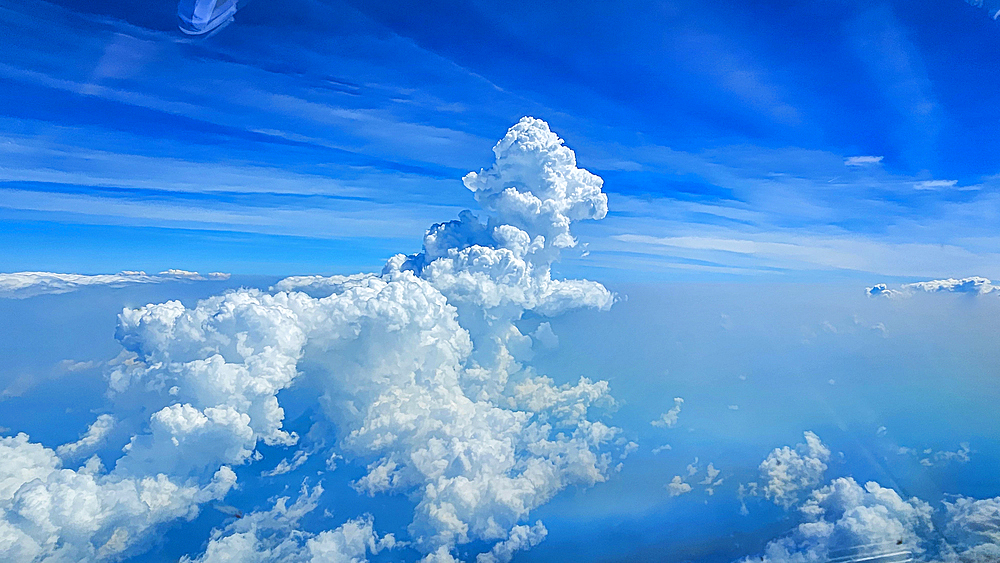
(521, 538)
(285, 466)
(677, 487)
(975, 285)
(420, 368)
(882, 290)
(56, 514)
(845, 519)
(788, 473)
(669, 418)
(96, 434)
(935, 184)
(545, 336)
(862, 160)
(274, 537)
(551, 190)
(21, 285)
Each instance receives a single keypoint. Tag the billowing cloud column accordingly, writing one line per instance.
(420, 368)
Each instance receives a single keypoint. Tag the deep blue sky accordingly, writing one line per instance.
(315, 136)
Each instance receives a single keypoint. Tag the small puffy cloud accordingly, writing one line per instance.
(669, 418)
(787, 473)
(711, 474)
(862, 160)
(21, 285)
(520, 538)
(882, 290)
(677, 487)
(928, 457)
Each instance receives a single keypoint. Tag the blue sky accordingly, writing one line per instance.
(724, 384)
(307, 128)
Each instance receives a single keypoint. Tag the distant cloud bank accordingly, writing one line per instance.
(974, 285)
(21, 285)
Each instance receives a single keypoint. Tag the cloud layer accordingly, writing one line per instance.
(974, 285)
(21, 285)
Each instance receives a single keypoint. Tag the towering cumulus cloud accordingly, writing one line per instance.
(420, 368)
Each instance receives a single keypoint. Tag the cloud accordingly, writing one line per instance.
(934, 184)
(862, 160)
(846, 521)
(843, 519)
(677, 487)
(285, 466)
(51, 513)
(521, 538)
(21, 285)
(275, 536)
(96, 434)
(420, 368)
(974, 285)
(669, 418)
(882, 290)
(545, 336)
(787, 473)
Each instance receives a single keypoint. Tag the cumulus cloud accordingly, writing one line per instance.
(844, 519)
(669, 418)
(787, 473)
(420, 368)
(882, 290)
(50, 513)
(21, 285)
(677, 487)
